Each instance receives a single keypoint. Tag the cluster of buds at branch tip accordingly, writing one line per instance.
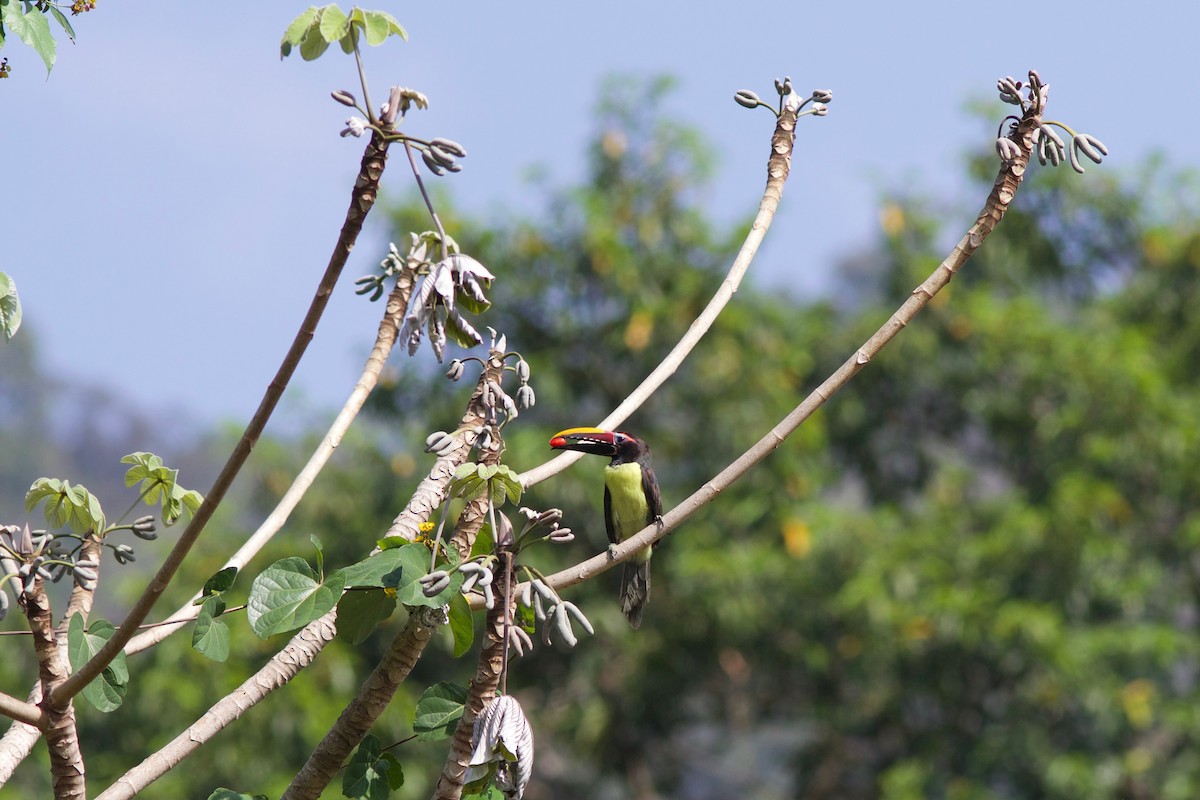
(545, 519)
(28, 556)
(399, 101)
(820, 98)
(1048, 144)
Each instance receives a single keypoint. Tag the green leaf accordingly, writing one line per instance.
(316, 543)
(371, 773)
(370, 571)
(361, 611)
(313, 46)
(160, 484)
(230, 794)
(287, 595)
(33, 29)
(107, 690)
(438, 711)
(210, 637)
(376, 27)
(462, 624)
(485, 542)
(66, 505)
(297, 30)
(334, 23)
(414, 564)
(10, 305)
(220, 582)
(64, 22)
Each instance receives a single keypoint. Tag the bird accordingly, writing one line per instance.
(632, 501)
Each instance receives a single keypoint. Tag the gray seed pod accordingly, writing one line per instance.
(432, 163)
(1073, 154)
(438, 441)
(747, 98)
(1091, 147)
(1008, 150)
(450, 146)
(525, 396)
(344, 97)
(574, 611)
(822, 96)
(456, 369)
(517, 637)
(434, 582)
(441, 156)
(563, 623)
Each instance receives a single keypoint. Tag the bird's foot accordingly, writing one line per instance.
(612, 551)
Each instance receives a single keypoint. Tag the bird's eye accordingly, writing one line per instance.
(618, 438)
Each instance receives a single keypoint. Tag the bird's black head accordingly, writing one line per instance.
(620, 446)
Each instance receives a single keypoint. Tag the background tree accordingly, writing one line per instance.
(948, 586)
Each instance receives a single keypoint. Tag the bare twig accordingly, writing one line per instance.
(778, 167)
(385, 339)
(285, 665)
(1005, 188)
(362, 198)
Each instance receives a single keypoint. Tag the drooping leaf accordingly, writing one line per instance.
(379, 25)
(334, 23)
(297, 30)
(210, 637)
(371, 774)
(63, 22)
(107, 690)
(438, 711)
(462, 624)
(360, 612)
(220, 582)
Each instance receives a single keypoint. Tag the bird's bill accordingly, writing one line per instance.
(585, 440)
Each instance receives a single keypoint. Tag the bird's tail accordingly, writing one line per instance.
(635, 590)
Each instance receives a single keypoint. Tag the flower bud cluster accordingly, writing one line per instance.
(820, 99)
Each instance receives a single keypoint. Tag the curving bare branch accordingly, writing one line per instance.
(1004, 189)
(779, 165)
(366, 189)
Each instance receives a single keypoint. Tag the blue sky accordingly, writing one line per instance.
(174, 189)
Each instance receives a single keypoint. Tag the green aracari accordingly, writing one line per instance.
(631, 502)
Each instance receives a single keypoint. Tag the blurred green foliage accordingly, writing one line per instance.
(971, 576)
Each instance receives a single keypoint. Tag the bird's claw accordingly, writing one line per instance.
(612, 551)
